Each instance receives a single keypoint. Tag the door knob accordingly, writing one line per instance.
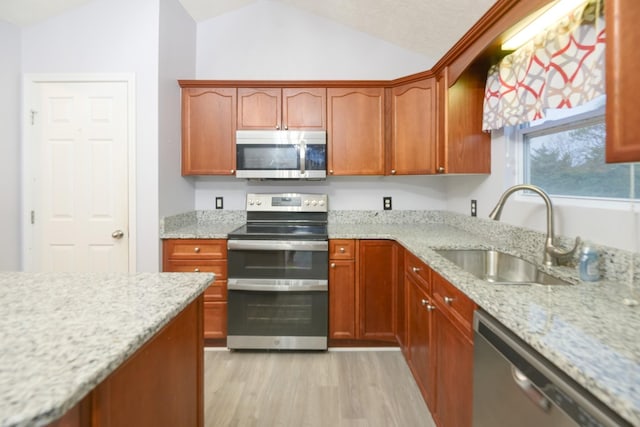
(118, 234)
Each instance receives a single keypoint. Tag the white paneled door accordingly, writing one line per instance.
(80, 188)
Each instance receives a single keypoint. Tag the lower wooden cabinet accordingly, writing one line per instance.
(420, 353)
(204, 256)
(454, 373)
(342, 299)
(362, 286)
(377, 270)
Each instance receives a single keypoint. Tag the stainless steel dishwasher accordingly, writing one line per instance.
(513, 385)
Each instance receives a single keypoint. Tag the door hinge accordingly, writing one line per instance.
(33, 117)
(33, 217)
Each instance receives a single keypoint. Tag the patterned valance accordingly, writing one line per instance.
(561, 68)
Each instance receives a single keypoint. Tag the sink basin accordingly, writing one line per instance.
(499, 267)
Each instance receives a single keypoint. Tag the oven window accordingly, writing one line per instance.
(277, 313)
(278, 264)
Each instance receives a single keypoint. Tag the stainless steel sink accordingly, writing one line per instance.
(499, 267)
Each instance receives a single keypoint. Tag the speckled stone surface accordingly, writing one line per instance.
(201, 224)
(585, 328)
(62, 333)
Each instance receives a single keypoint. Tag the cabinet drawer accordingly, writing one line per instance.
(195, 266)
(195, 248)
(417, 269)
(217, 291)
(453, 302)
(342, 249)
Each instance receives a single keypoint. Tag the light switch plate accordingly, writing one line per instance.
(219, 204)
(474, 207)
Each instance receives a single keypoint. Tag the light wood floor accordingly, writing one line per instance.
(342, 388)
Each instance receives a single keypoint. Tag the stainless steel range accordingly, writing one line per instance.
(278, 274)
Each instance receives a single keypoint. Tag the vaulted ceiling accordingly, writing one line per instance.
(427, 27)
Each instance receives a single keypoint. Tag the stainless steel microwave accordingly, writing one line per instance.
(281, 154)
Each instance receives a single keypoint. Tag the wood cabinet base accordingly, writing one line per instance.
(159, 385)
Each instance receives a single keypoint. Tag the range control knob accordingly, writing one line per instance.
(306, 203)
(250, 202)
(259, 202)
(321, 202)
(314, 203)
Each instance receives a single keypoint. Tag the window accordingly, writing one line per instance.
(567, 158)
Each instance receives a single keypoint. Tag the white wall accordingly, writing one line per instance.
(177, 61)
(112, 36)
(611, 227)
(345, 193)
(10, 147)
(271, 41)
(267, 40)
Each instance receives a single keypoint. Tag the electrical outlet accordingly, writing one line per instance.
(474, 207)
(386, 203)
(219, 204)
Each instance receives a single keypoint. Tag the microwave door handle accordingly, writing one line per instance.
(303, 156)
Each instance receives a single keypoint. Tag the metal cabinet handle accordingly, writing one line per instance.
(331, 171)
(426, 305)
(441, 169)
(393, 171)
(286, 127)
(232, 171)
(333, 265)
(118, 234)
(197, 270)
(196, 250)
(277, 127)
(342, 250)
(415, 269)
(448, 300)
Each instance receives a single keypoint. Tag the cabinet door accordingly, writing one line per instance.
(454, 373)
(465, 148)
(215, 319)
(420, 350)
(342, 300)
(377, 264)
(355, 131)
(259, 108)
(413, 128)
(623, 85)
(208, 131)
(304, 108)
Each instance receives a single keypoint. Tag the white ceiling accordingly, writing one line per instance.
(428, 27)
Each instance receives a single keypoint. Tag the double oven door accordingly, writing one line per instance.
(277, 294)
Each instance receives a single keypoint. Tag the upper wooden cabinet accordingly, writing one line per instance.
(208, 131)
(413, 129)
(623, 86)
(462, 145)
(355, 131)
(276, 108)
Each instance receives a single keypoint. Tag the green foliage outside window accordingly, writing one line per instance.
(570, 161)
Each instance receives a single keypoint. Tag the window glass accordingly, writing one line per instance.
(569, 160)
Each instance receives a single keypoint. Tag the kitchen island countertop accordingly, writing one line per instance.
(61, 334)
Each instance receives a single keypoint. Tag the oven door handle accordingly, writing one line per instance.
(277, 285)
(278, 245)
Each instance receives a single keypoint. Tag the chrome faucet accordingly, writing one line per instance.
(553, 255)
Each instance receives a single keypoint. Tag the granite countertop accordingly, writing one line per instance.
(585, 328)
(61, 334)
